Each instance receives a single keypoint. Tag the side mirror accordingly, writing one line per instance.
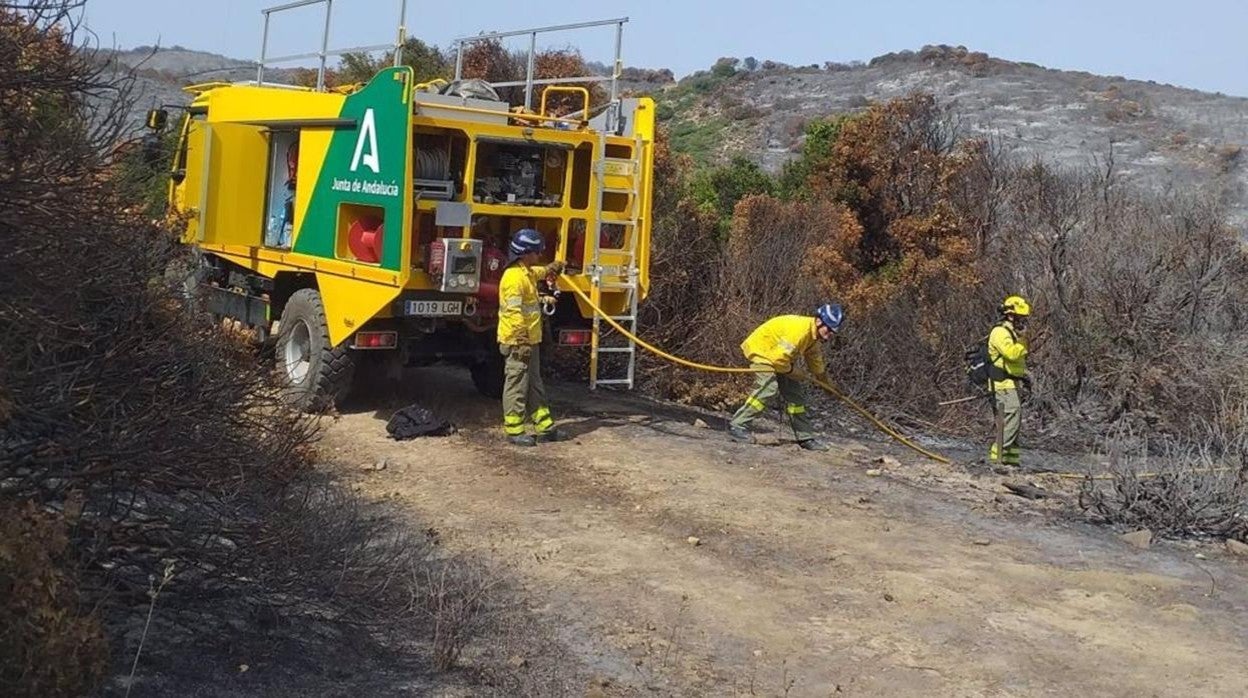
(156, 119)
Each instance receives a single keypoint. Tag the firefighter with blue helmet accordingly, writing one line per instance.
(519, 340)
(771, 350)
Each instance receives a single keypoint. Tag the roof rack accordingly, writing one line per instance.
(325, 52)
(529, 81)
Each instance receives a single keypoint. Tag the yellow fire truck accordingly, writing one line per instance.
(345, 225)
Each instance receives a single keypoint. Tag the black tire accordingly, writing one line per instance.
(315, 374)
(487, 375)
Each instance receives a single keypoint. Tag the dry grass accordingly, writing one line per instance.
(134, 435)
(1176, 488)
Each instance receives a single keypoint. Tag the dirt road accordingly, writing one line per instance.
(674, 562)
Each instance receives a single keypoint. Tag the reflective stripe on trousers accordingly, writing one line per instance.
(542, 421)
(768, 385)
(523, 390)
(513, 424)
(1012, 456)
(1007, 419)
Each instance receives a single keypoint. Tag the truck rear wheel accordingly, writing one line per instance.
(315, 373)
(487, 375)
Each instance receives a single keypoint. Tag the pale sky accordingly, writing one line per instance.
(1193, 43)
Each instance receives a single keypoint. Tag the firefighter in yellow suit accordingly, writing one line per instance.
(1007, 356)
(771, 350)
(520, 338)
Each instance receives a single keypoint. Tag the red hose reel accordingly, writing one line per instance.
(364, 239)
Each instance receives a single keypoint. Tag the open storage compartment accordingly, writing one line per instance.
(516, 172)
(438, 163)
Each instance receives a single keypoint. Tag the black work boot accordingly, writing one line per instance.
(551, 435)
(740, 435)
(814, 445)
(521, 440)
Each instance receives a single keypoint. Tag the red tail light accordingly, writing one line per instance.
(375, 340)
(575, 338)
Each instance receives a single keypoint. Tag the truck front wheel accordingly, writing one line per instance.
(315, 374)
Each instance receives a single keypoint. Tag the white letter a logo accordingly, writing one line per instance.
(368, 129)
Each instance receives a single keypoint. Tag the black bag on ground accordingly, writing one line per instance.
(413, 421)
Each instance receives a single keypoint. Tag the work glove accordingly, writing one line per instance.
(1025, 394)
(522, 352)
(556, 268)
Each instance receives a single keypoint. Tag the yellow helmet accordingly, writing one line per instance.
(1015, 305)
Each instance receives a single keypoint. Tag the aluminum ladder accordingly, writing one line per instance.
(625, 277)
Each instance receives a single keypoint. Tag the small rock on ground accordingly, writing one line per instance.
(1025, 490)
(1141, 539)
(1235, 547)
(699, 423)
(694, 540)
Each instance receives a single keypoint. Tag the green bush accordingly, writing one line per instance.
(718, 189)
(820, 135)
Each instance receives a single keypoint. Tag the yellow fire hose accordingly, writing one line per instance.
(737, 369)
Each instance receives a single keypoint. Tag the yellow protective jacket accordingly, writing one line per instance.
(1008, 353)
(519, 311)
(779, 340)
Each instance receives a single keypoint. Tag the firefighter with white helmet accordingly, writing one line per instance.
(771, 349)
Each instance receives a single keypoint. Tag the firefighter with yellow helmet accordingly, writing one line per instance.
(1007, 356)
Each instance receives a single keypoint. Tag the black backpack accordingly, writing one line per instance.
(977, 365)
(980, 370)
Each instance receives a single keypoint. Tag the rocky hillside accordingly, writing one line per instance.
(1162, 136)
(162, 72)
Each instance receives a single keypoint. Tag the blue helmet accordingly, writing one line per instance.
(831, 315)
(526, 241)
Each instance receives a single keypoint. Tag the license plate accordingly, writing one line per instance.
(435, 308)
